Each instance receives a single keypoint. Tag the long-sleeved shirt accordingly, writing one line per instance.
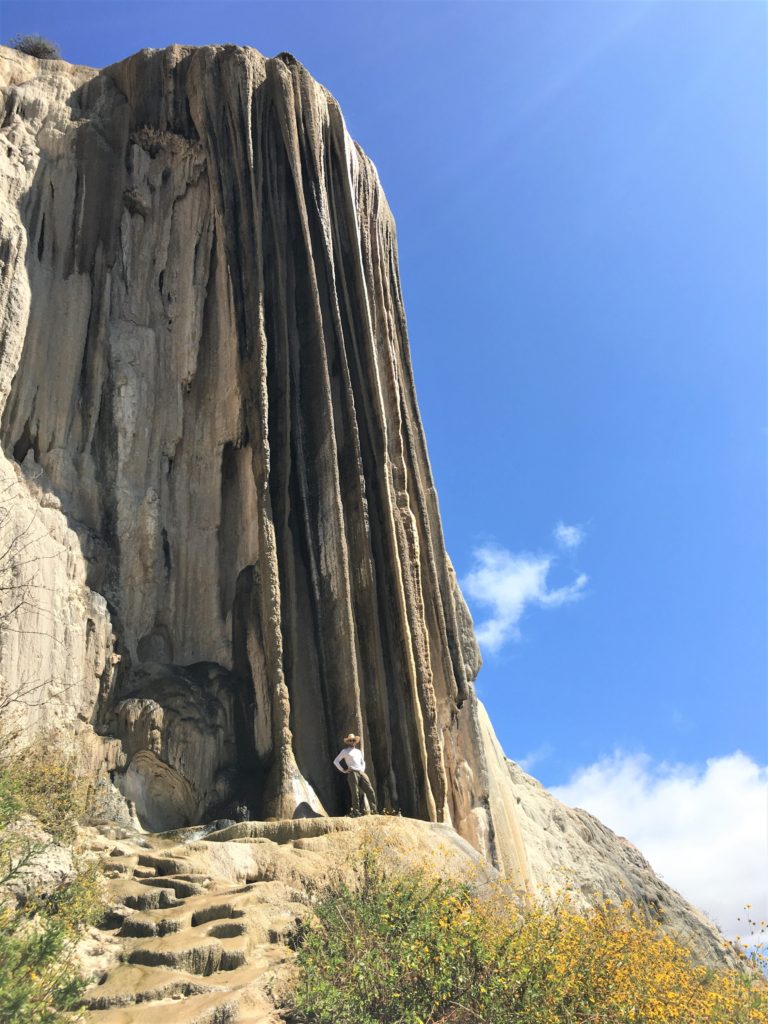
(354, 758)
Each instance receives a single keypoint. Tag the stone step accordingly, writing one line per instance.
(205, 955)
(282, 927)
(143, 872)
(189, 948)
(192, 912)
(113, 918)
(139, 896)
(215, 912)
(164, 864)
(225, 918)
(138, 991)
(209, 1008)
(129, 984)
(142, 926)
(126, 864)
(180, 886)
(122, 851)
(226, 929)
(114, 868)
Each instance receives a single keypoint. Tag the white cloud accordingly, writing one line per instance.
(568, 536)
(705, 831)
(508, 583)
(534, 757)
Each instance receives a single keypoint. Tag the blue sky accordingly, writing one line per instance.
(580, 192)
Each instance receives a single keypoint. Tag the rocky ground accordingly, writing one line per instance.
(198, 929)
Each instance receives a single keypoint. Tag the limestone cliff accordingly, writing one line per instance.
(222, 542)
(211, 379)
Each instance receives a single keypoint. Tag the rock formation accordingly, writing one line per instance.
(222, 542)
(214, 381)
(199, 932)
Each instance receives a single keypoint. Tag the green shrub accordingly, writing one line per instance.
(36, 46)
(38, 781)
(415, 950)
(40, 981)
(390, 951)
(39, 978)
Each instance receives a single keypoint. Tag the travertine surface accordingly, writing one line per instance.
(205, 921)
(198, 931)
(222, 549)
(211, 376)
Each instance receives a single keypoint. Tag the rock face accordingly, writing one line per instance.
(185, 741)
(211, 379)
(221, 542)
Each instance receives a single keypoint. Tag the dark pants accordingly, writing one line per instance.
(360, 787)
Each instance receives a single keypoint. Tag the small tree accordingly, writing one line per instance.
(36, 46)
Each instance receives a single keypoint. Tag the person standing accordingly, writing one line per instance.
(351, 762)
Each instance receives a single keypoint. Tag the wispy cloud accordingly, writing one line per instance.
(702, 829)
(534, 757)
(568, 536)
(508, 583)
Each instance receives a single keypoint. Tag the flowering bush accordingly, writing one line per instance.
(415, 950)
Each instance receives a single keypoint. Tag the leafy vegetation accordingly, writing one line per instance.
(39, 978)
(37, 781)
(36, 46)
(411, 950)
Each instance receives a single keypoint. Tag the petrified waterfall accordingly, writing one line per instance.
(215, 382)
(220, 546)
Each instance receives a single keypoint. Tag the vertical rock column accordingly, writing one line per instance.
(234, 431)
(355, 612)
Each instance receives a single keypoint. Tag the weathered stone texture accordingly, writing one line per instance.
(211, 375)
(216, 499)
